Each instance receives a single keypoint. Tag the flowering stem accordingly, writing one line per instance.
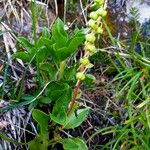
(76, 89)
(95, 25)
(75, 94)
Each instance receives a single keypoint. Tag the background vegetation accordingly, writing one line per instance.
(68, 81)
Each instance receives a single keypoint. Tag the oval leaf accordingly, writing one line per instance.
(42, 120)
(74, 144)
(74, 120)
(38, 143)
(58, 90)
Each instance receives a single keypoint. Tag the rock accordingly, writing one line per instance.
(143, 8)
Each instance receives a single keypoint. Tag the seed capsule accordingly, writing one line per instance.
(80, 76)
(99, 30)
(92, 24)
(101, 12)
(90, 47)
(84, 61)
(90, 38)
(93, 15)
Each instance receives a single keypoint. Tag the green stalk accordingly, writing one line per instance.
(34, 20)
(61, 69)
(34, 29)
(21, 87)
(132, 124)
(4, 80)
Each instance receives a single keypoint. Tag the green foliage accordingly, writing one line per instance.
(49, 70)
(61, 94)
(59, 35)
(69, 73)
(40, 141)
(49, 51)
(132, 86)
(50, 54)
(89, 79)
(42, 120)
(59, 90)
(74, 144)
(59, 45)
(74, 120)
(25, 43)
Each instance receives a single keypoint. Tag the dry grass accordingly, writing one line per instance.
(15, 19)
(14, 124)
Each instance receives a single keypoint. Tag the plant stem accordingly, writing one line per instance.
(34, 20)
(75, 94)
(77, 87)
(21, 87)
(83, 70)
(61, 69)
(4, 80)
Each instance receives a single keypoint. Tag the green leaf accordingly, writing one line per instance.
(45, 100)
(66, 51)
(89, 80)
(61, 53)
(90, 76)
(38, 143)
(45, 32)
(59, 35)
(41, 55)
(74, 144)
(24, 56)
(25, 43)
(75, 41)
(60, 47)
(58, 90)
(49, 45)
(59, 113)
(41, 50)
(69, 73)
(41, 141)
(42, 120)
(74, 120)
(61, 93)
(50, 69)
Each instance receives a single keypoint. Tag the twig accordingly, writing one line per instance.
(114, 53)
(81, 5)
(65, 10)
(56, 8)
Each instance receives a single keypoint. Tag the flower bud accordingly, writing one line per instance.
(80, 76)
(90, 37)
